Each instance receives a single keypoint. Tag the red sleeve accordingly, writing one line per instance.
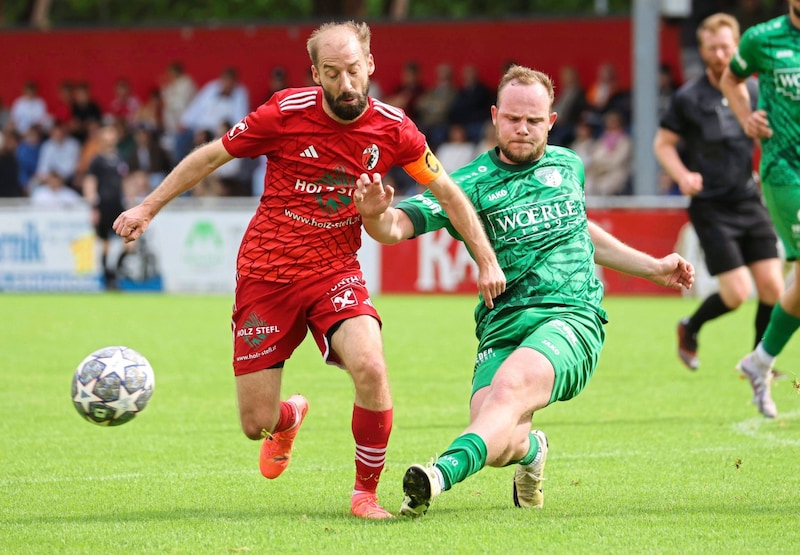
(255, 134)
(411, 145)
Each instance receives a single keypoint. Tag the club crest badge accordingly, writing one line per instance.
(237, 130)
(370, 157)
(550, 177)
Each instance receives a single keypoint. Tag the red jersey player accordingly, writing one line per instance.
(297, 268)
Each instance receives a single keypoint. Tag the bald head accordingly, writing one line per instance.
(338, 36)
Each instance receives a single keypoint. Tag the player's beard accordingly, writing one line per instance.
(347, 112)
(527, 156)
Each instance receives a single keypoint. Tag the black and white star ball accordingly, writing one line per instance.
(112, 385)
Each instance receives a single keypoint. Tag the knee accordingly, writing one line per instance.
(369, 374)
(770, 293)
(735, 295)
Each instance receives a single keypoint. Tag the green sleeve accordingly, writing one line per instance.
(426, 214)
(743, 63)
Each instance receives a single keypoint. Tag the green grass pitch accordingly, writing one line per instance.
(650, 458)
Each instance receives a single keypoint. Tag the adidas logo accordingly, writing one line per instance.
(310, 152)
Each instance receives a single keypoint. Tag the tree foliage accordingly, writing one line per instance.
(149, 12)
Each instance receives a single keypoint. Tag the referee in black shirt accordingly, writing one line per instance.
(716, 172)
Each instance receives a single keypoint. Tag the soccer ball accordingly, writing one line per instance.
(112, 385)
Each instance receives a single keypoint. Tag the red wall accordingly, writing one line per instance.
(436, 263)
(101, 56)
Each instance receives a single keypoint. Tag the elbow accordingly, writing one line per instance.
(385, 238)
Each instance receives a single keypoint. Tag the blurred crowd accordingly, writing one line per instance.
(46, 150)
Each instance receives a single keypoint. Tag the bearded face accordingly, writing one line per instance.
(349, 104)
(519, 150)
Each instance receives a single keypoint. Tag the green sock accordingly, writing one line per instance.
(465, 456)
(533, 450)
(779, 330)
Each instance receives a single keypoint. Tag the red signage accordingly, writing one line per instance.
(436, 263)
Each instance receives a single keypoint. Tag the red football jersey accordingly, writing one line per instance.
(306, 223)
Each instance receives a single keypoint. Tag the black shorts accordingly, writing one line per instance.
(733, 234)
(108, 213)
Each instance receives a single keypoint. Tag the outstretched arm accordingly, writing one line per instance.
(670, 271)
(133, 222)
(491, 279)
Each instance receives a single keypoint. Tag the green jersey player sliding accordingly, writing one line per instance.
(541, 341)
(772, 50)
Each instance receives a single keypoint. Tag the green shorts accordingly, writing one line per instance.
(571, 338)
(783, 203)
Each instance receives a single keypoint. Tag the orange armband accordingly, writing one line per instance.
(425, 169)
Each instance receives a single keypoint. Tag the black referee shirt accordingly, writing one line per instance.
(714, 144)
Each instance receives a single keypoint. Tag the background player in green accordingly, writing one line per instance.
(772, 50)
(541, 341)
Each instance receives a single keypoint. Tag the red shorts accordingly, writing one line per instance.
(270, 320)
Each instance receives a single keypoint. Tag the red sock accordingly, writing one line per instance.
(287, 418)
(371, 431)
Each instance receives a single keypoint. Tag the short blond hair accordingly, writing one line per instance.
(526, 76)
(717, 21)
(360, 30)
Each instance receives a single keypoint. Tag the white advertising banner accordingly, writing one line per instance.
(196, 249)
(185, 250)
(47, 250)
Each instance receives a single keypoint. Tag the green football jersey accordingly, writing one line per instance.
(535, 218)
(772, 50)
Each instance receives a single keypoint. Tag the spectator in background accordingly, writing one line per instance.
(433, 106)
(29, 110)
(103, 191)
(58, 157)
(125, 105)
(52, 192)
(28, 149)
(472, 103)
(569, 105)
(177, 91)
(603, 88)
(148, 164)
(151, 112)
(457, 151)
(584, 143)
(277, 81)
(126, 144)
(406, 94)
(610, 163)
(223, 99)
(211, 185)
(10, 186)
(606, 94)
(61, 110)
(84, 111)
